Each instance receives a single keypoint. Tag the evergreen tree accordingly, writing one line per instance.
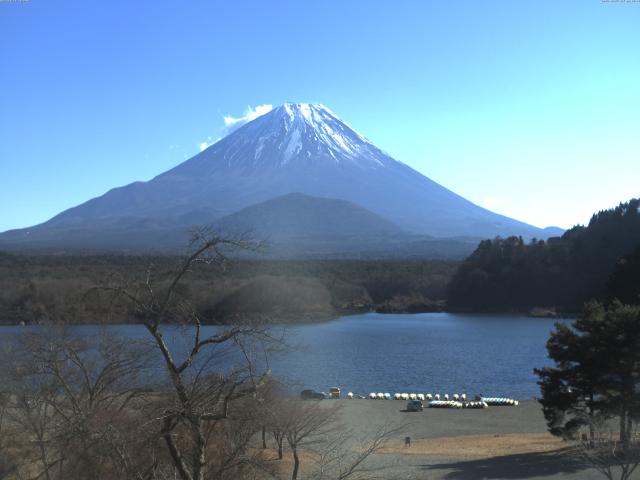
(597, 371)
(509, 274)
(624, 283)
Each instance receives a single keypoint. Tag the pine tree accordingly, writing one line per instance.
(597, 371)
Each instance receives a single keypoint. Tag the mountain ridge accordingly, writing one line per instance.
(296, 215)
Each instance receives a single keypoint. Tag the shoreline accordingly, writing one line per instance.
(319, 319)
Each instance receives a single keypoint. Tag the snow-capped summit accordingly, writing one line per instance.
(296, 147)
(314, 128)
(298, 134)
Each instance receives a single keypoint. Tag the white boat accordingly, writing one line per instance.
(445, 404)
(499, 401)
(475, 404)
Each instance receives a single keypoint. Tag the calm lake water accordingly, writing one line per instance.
(433, 352)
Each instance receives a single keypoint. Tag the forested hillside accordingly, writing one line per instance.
(562, 273)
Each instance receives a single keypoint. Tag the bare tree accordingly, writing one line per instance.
(272, 414)
(71, 400)
(340, 457)
(8, 461)
(31, 415)
(333, 452)
(305, 422)
(603, 450)
(276, 426)
(203, 387)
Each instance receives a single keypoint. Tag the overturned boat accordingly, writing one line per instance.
(499, 401)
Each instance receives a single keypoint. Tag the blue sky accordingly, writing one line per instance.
(531, 109)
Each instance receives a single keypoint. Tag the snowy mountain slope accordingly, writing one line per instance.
(302, 148)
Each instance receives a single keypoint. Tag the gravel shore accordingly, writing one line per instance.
(495, 443)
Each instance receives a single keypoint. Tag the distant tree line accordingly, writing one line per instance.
(50, 289)
(600, 261)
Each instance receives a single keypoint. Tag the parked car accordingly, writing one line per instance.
(311, 395)
(414, 406)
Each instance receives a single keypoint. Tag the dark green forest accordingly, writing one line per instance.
(69, 288)
(600, 261)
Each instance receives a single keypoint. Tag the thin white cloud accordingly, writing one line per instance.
(233, 123)
(249, 114)
(207, 143)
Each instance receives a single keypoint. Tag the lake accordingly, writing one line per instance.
(432, 352)
(442, 353)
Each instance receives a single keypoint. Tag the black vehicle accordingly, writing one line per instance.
(311, 395)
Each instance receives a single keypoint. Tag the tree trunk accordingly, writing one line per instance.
(279, 441)
(176, 456)
(199, 459)
(296, 463)
(624, 434)
(44, 459)
(264, 437)
(592, 414)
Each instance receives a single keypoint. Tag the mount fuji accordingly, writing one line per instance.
(295, 148)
